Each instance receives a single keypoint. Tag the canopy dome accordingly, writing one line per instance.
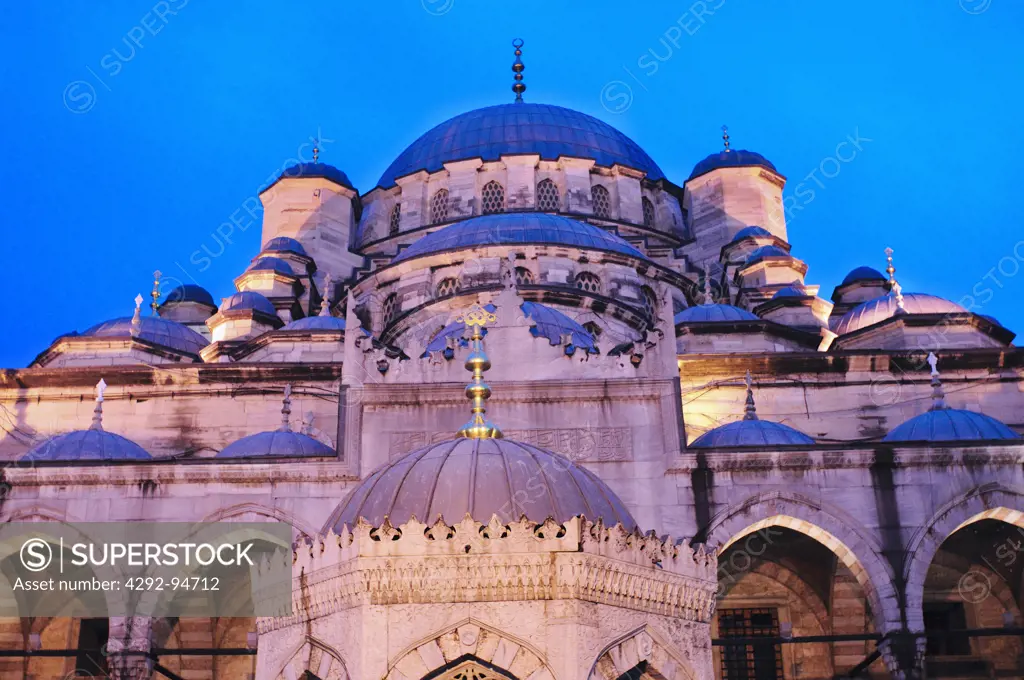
(731, 158)
(276, 443)
(712, 313)
(862, 273)
(520, 128)
(752, 433)
(316, 323)
(189, 292)
(752, 231)
(950, 424)
(518, 228)
(481, 477)
(248, 300)
(273, 264)
(884, 307)
(283, 244)
(163, 332)
(84, 445)
(766, 251)
(321, 170)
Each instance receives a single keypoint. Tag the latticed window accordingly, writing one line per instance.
(439, 207)
(759, 661)
(472, 671)
(449, 286)
(588, 282)
(493, 198)
(548, 199)
(396, 219)
(389, 310)
(648, 212)
(523, 276)
(602, 201)
(650, 300)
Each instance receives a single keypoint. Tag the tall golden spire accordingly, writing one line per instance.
(725, 137)
(478, 427)
(519, 87)
(155, 304)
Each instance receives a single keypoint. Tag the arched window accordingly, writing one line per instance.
(523, 276)
(548, 199)
(593, 329)
(449, 286)
(439, 207)
(650, 300)
(588, 282)
(493, 198)
(396, 219)
(648, 212)
(389, 310)
(602, 201)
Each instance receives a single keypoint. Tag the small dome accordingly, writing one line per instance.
(279, 443)
(731, 158)
(791, 291)
(274, 264)
(317, 170)
(518, 228)
(766, 251)
(481, 477)
(863, 274)
(750, 232)
(520, 128)
(248, 300)
(752, 433)
(283, 244)
(950, 424)
(713, 313)
(163, 332)
(189, 293)
(552, 324)
(881, 308)
(82, 445)
(316, 323)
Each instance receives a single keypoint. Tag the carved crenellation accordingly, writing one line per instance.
(486, 562)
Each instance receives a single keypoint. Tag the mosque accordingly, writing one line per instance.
(685, 463)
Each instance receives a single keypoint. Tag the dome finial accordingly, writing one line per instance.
(938, 394)
(725, 137)
(750, 410)
(137, 316)
(894, 285)
(316, 150)
(476, 317)
(709, 298)
(325, 305)
(518, 67)
(97, 413)
(286, 409)
(156, 293)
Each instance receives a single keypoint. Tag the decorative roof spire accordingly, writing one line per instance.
(750, 410)
(156, 293)
(709, 298)
(890, 269)
(325, 305)
(137, 317)
(286, 409)
(938, 394)
(518, 67)
(894, 285)
(97, 413)
(478, 427)
(725, 137)
(316, 150)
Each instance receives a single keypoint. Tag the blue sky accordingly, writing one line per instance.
(132, 130)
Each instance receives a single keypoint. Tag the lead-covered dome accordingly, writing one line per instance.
(731, 158)
(752, 433)
(189, 292)
(520, 128)
(318, 170)
(163, 332)
(276, 444)
(518, 228)
(481, 477)
(316, 323)
(862, 273)
(86, 445)
(950, 424)
(714, 313)
(881, 308)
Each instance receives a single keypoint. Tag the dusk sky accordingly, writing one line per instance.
(130, 138)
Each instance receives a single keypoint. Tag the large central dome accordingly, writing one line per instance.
(520, 128)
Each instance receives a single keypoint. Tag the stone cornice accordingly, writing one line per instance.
(164, 376)
(517, 391)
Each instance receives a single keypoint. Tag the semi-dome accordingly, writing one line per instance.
(552, 324)
(316, 323)
(950, 424)
(752, 231)
(881, 308)
(790, 291)
(731, 158)
(189, 293)
(321, 170)
(713, 313)
(86, 445)
(283, 244)
(273, 264)
(520, 128)
(752, 433)
(480, 477)
(761, 253)
(518, 228)
(248, 300)
(279, 443)
(862, 273)
(154, 329)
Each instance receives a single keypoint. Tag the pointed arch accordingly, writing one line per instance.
(988, 501)
(841, 534)
(256, 512)
(467, 642)
(646, 650)
(314, 656)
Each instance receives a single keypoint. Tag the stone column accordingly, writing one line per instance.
(903, 653)
(129, 634)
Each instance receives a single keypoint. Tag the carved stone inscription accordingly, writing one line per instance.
(575, 443)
